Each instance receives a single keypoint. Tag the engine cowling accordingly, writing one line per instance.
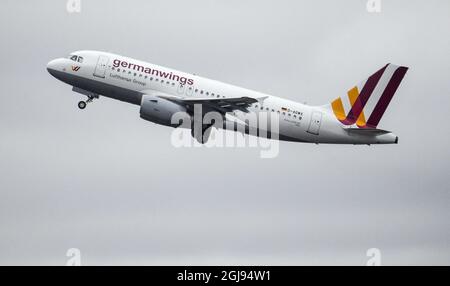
(159, 110)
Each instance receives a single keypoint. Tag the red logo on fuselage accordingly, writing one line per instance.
(75, 68)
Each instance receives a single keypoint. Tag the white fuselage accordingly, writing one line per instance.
(127, 79)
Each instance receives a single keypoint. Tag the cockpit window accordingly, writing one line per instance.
(76, 58)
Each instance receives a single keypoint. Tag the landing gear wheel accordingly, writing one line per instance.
(81, 105)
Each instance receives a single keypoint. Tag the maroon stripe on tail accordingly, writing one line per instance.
(363, 97)
(386, 97)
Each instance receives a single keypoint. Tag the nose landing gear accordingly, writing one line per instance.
(83, 104)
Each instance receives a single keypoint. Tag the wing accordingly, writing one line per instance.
(225, 106)
(222, 105)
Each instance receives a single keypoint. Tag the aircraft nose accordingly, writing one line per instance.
(55, 66)
(52, 65)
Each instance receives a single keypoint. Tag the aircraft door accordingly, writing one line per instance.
(181, 88)
(189, 90)
(314, 124)
(100, 69)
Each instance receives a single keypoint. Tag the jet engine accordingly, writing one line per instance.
(159, 110)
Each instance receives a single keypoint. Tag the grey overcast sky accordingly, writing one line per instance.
(111, 184)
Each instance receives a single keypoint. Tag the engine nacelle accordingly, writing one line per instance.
(159, 110)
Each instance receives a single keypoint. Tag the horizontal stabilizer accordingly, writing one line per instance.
(367, 131)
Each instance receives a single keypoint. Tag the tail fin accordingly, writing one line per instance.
(367, 102)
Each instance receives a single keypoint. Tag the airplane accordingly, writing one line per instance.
(162, 92)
